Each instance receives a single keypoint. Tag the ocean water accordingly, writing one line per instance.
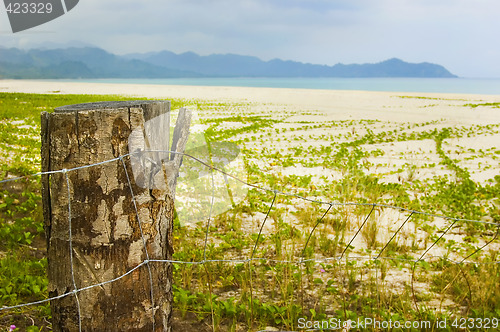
(440, 85)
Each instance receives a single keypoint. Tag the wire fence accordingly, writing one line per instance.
(252, 254)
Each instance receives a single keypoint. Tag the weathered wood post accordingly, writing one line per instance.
(112, 230)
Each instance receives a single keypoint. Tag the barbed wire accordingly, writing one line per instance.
(301, 260)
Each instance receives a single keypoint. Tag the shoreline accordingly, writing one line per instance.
(477, 86)
(334, 104)
(201, 91)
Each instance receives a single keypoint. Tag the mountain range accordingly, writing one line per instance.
(92, 62)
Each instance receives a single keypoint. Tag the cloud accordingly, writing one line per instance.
(455, 33)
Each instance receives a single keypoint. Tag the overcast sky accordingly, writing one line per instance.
(461, 35)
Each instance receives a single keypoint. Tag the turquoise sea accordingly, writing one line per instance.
(440, 85)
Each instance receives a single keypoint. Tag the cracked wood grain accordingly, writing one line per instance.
(106, 238)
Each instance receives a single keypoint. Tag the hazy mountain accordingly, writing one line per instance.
(231, 65)
(91, 62)
(85, 62)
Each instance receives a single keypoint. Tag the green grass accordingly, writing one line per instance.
(300, 273)
(493, 105)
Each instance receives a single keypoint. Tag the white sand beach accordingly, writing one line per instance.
(391, 110)
(335, 104)
(309, 122)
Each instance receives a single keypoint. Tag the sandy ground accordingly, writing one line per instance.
(391, 110)
(336, 104)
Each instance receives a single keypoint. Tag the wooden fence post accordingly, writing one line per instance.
(112, 231)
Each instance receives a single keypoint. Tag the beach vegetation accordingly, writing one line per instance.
(317, 220)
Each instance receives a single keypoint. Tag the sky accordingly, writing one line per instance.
(461, 35)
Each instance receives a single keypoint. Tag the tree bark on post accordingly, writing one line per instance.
(105, 223)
